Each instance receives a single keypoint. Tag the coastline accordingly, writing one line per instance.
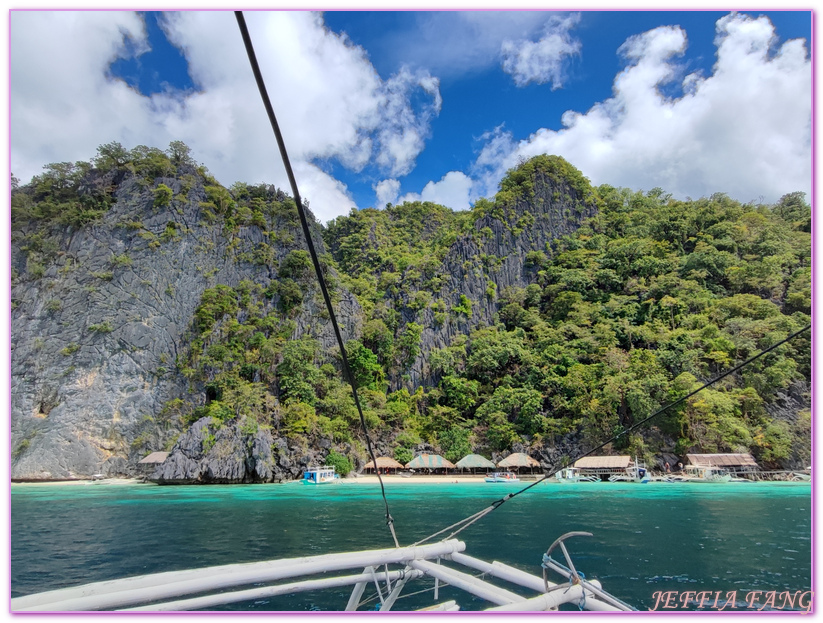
(367, 480)
(352, 480)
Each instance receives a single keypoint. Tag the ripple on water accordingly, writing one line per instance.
(646, 537)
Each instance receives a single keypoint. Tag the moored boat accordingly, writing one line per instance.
(706, 473)
(572, 474)
(502, 477)
(635, 472)
(320, 475)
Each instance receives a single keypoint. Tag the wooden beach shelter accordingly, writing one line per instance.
(148, 464)
(735, 463)
(473, 462)
(430, 462)
(384, 463)
(517, 460)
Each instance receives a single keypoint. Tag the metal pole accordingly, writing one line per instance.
(357, 592)
(465, 582)
(208, 601)
(131, 591)
(392, 597)
(527, 580)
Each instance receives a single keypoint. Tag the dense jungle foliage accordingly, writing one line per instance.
(643, 303)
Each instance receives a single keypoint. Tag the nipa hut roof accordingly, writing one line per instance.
(430, 461)
(474, 460)
(518, 459)
(155, 457)
(384, 462)
(603, 462)
(722, 460)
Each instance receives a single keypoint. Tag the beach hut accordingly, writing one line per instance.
(429, 462)
(517, 460)
(148, 464)
(384, 463)
(474, 461)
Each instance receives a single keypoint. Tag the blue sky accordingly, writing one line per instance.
(384, 106)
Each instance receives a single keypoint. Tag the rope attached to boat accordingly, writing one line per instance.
(261, 85)
(465, 523)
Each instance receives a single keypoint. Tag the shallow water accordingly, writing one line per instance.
(647, 537)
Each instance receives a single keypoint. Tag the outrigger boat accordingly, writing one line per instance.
(634, 473)
(705, 473)
(573, 474)
(388, 570)
(502, 477)
(320, 475)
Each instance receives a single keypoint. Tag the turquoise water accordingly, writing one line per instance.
(647, 537)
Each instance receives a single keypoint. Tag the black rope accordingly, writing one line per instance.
(554, 469)
(244, 31)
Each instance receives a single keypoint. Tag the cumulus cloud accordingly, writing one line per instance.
(452, 191)
(744, 130)
(386, 191)
(330, 102)
(50, 121)
(542, 61)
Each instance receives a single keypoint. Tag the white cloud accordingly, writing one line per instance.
(50, 121)
(744, 130)
(329, 100)
(451, 43)
(542, 61)
(328, 198)
(452, 191)
(386, 191)
(402, 132)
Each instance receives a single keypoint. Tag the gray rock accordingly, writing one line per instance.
(96, 338)
(556, 210)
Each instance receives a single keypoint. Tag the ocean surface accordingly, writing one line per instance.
(649, 539)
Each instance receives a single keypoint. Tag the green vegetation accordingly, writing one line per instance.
(162, 196)
(72, 348)
(342, 465)
(643, 303)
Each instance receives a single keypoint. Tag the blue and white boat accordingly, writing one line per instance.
(319, 475)
(502, 477)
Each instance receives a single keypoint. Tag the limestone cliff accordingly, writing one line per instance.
(101, 313)
(492, 258)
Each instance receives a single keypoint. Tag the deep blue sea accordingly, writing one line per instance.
(648, 538)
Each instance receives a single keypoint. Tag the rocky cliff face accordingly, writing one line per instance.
(97, 331)
(100, 330)
(493, 258)
(205, 454)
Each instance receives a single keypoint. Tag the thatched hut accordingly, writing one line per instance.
(385, 464)
(473, 462)
(430, 462)
(516, 460)
(150, 463)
